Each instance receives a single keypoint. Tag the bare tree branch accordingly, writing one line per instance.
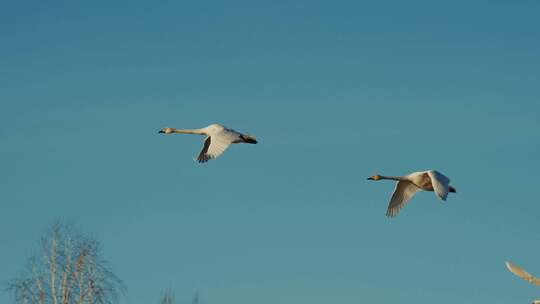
(167, 298)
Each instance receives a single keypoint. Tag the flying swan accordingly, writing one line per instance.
(407, 186)
(218, 139)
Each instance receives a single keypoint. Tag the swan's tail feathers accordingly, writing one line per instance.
(249, 139)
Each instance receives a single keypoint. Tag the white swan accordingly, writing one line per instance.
(520, 272)
(408, 185)
(217, 141)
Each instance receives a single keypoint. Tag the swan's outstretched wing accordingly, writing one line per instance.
(520, 272)
(402, 194)
(213, 147)
(440, 183)
(203, 157)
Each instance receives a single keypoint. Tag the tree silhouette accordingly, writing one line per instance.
(68, 269)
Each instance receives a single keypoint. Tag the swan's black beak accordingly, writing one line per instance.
(370, 178)
(161, 131)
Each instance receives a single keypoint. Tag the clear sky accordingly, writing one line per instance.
(335, 91)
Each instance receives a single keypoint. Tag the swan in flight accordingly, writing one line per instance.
(218, 139)
(408, 185)
(520, 272)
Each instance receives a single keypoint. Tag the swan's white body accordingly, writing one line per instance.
(407, 186)
(218, 139)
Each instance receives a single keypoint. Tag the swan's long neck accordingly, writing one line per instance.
(396, 178)
(190, 131)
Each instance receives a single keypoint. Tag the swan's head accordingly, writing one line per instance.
(375, 177)
(166, 130)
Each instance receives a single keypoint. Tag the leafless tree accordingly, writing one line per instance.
(196, 298)
(167, 298)
(68, 269)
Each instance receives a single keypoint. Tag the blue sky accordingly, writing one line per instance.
(334, 91)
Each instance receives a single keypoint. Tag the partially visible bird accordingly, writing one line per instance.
(408, 185)
(217, 141)
(520, 272)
